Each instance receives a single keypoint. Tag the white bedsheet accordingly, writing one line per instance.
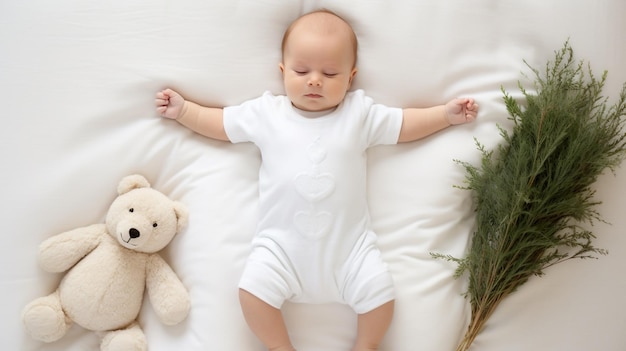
(77, 80)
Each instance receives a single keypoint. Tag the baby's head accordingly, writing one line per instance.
(319, 53)
(324, 20)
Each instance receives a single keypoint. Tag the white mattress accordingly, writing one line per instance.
(77, 80)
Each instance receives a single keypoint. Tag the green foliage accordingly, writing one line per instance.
(534, 195)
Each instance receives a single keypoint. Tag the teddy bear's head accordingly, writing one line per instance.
(144, 219)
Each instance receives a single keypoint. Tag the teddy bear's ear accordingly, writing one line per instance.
(131, 182)
(182, 215)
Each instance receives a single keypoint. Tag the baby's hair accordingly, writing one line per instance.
(353, 38)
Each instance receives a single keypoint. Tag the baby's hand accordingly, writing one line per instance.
(169, 103)
(462, 110)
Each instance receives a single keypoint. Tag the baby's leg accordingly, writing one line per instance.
(372, 327)
(266, 322)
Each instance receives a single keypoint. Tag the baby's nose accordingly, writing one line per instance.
(315, 80)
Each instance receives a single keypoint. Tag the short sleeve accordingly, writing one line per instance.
(381, 124)
(242, 123)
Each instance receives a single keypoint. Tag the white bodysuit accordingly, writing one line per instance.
(314, 243)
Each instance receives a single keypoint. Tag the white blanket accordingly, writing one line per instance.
(77, 81)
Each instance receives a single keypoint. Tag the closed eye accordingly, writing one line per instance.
(330, 75)
(300, 73)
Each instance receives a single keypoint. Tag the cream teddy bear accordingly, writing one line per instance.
(108, 268)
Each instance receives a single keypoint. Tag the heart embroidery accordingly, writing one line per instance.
(312, 226)
(315, 187)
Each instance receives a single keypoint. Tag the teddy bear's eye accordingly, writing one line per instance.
(131, 210)
(155, 225)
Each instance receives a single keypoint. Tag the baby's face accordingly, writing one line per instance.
(318, 69)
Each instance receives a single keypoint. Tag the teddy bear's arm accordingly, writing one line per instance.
(60, 252)
(167, 294)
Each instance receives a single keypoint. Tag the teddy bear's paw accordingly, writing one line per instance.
(45, 322)
(130, 339)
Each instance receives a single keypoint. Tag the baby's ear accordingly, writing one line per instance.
(281, 67)
(352, 74)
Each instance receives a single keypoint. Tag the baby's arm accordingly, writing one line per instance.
(208, 121)
(418, 123)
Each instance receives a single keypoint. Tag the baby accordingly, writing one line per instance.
(314, 243)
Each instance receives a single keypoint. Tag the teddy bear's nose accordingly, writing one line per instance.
(134, 233)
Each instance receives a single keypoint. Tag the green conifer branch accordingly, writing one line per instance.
(534, 196)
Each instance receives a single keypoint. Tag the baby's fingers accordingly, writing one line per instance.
(161, 102)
